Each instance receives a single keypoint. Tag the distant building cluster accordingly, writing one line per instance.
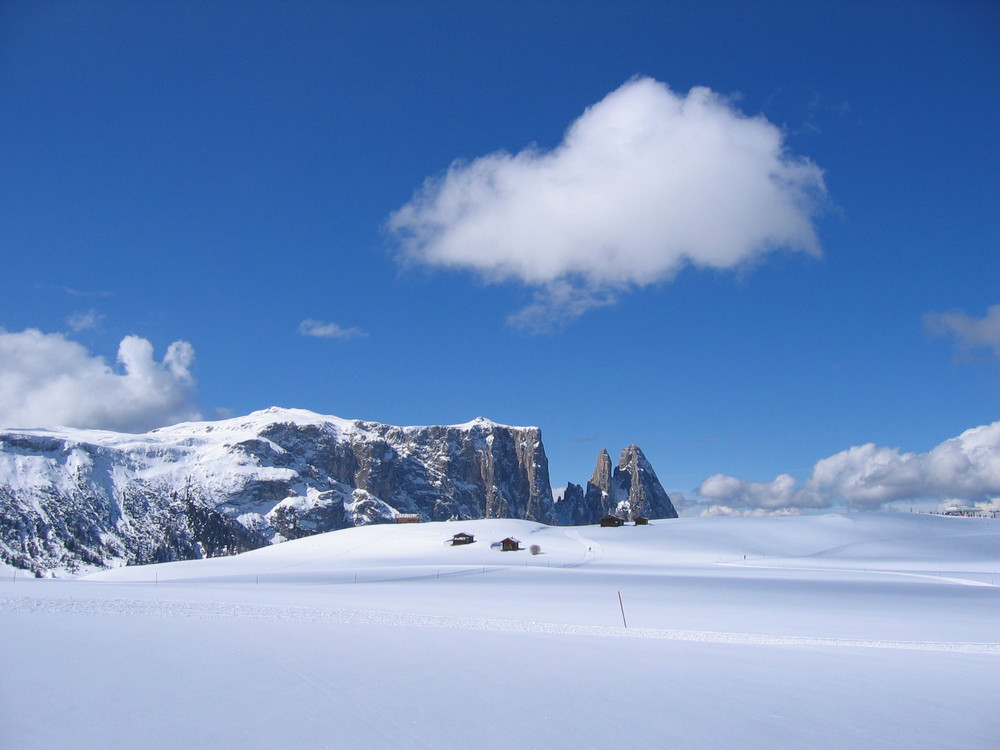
(969, 511)
(965, 511)
(613, 521)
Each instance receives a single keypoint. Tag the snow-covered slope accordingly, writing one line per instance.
(871, 631)
(887, 543)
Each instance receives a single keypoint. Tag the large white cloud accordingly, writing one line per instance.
(868, 476)
(645, 182)
(46, 380)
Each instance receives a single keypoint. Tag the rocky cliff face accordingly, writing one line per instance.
(599, 497)
(76, 498)
(629, 491)
(637, 490)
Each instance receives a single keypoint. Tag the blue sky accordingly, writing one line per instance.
(812, 269)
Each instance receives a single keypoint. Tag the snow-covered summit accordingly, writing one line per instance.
(255, 421)
(263, 418)
(485, 422)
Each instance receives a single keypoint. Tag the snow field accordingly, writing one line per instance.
(868, 631)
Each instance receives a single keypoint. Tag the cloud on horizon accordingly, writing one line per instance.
(322, 330)
(725, 510)
(968, 331)
(645, 182)
(867, 477)
(46, 380)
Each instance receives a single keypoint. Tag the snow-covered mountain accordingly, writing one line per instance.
(76, 498)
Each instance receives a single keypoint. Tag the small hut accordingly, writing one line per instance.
(612, 521)
(641, 521)
(510, 544)
(462, 538)
(408, 518)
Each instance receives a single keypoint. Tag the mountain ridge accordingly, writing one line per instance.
(74, 499)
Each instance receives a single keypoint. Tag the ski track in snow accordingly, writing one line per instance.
(262, 612)
(591, 553)
(866, 571)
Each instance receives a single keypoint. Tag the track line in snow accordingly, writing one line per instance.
(864, 571)
(591, 553)
(265, 612)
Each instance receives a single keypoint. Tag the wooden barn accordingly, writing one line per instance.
(612, 521)
(641, 521)
(462, 538)
(408, 518)
(510, 544)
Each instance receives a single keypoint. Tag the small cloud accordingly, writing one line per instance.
(321, 330)
(818, 107)
(81, 321)
(645, 182)
(556, 304)
(47, 380)
(968, 331)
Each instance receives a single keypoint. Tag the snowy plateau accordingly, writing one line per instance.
(867, 630)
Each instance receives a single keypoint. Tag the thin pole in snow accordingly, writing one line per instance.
(623, 609)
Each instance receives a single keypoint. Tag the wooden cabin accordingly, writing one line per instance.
(408, 518)
(510, 544)
(612, 521)
(462, 538)
(641, 521)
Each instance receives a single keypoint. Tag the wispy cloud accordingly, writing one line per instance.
(78, 293)
(968, 331)
(47, 380)
(322, 330)
(966, 467)
(558, 303)
(81, 321)
(645, 182)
